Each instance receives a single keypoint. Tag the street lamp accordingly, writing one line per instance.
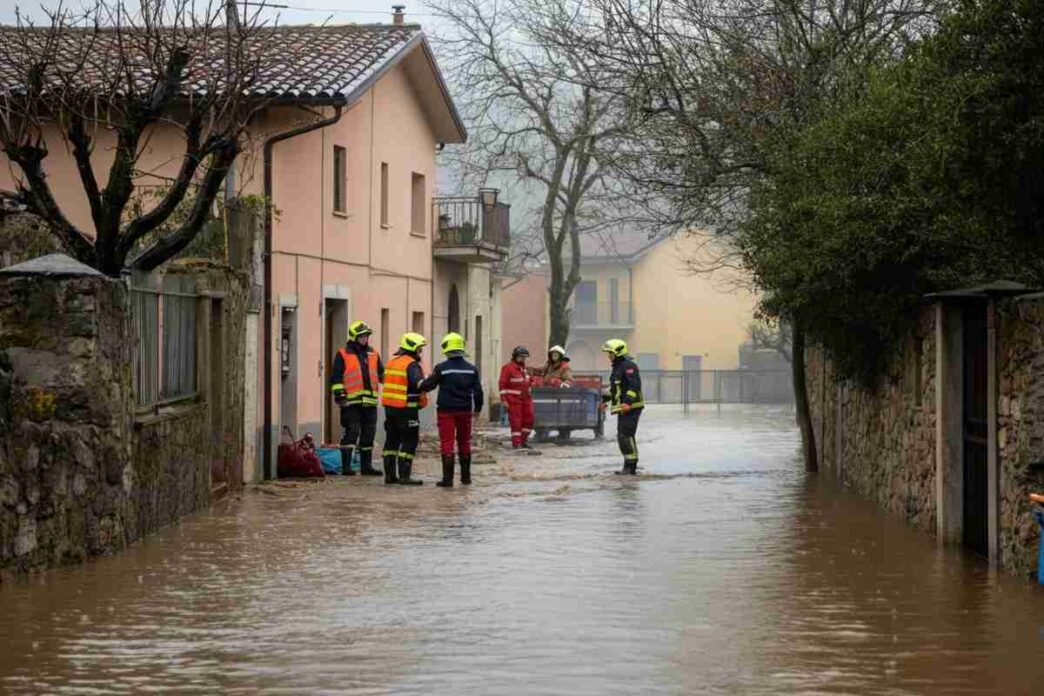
(488, 197)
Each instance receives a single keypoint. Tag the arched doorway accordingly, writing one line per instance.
(453, 321)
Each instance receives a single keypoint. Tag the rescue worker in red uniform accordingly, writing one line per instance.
(357, 372)
(403, 400)
(514, 391)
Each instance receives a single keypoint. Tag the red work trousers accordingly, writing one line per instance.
(455, 427)
(520, 415)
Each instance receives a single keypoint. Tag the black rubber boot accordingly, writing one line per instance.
(389, 469)
(366, 464)
(447, 471)
(405, 478)
(629, 469)
(465, 470)
(346, 462)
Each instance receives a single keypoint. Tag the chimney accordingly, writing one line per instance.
(398, 15)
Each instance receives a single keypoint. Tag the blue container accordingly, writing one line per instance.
(330, 458)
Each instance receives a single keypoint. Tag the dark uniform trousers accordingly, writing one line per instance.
(359, 428)
(626, 427)
(402, 433)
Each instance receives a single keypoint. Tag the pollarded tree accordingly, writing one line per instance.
(111, 76)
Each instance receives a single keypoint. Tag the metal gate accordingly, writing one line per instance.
(975, 427)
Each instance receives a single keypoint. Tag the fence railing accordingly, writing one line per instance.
(164, 323)
(714, 386)
(596, 314)
(465, 221)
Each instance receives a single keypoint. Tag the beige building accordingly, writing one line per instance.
(643, 292)
(360, 233)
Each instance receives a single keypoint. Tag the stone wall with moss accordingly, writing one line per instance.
(83, 471)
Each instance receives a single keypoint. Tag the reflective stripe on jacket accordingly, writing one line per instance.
(514, 382)
(402, 380)
(354, 382)
(459, 385)
(625, 385)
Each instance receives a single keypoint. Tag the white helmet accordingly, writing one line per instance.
(558, 349)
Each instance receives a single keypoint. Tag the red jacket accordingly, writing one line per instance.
(514, 382)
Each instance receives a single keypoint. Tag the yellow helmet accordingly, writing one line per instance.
(412, 342)
(359, 328)
(615, 347)
(451, 342)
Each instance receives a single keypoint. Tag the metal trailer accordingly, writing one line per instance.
(564, 410)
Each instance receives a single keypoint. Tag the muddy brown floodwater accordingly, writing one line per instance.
(723, 570)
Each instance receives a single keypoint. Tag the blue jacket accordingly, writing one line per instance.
(459, 385)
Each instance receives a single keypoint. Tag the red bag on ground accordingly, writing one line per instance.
(298, 459)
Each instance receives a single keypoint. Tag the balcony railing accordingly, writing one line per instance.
(466, 222)
(587, 315)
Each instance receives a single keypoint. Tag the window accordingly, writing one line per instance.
(340, 179)
(478, 342)
(648, 361)
(614, 300)
(418, 206)
(384, 332)
(165, 338)
(418, 322)
(384, 194)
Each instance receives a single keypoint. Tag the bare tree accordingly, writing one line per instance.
(537, 110)
(111, 76)
(772, 335)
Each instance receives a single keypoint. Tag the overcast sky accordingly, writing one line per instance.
(299, 11)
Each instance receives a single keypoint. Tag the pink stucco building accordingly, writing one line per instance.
(360, 232)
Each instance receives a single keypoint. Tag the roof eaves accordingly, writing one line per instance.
(379, 70)
(444, 88)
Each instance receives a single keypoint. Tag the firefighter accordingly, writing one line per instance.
(555, 372)
(625, 400)
(357, 372)
(514, 391)
(402, 400)
(460, 396)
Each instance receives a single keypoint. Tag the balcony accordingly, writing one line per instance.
(602, 316)
(469, 231)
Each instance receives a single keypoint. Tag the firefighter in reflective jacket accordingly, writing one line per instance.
(625, 401)
(357, 372)
(514, 391)
(402, 400)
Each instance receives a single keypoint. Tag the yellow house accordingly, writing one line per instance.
(645, 293)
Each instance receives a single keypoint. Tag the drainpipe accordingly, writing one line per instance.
(266, 444)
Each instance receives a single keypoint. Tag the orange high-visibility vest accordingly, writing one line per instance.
(396, 385)
(355, 391)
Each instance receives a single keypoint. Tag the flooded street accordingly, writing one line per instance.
(723, 570)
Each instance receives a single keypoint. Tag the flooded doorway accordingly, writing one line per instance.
(975, 428)
(335, 330)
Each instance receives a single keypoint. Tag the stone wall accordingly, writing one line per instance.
(65, 457)
(1020, 427)
(881, 440)
(82, 471)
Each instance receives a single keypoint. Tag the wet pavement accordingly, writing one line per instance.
(722, 570)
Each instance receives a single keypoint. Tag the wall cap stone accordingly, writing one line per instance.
(54, 265)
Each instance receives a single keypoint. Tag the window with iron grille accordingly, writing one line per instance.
(165, 341)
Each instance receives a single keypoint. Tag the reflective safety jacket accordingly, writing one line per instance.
(625, 385)
(514, 382)
(402, 380)
(357, 370)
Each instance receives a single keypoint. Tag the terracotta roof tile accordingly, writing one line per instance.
(296, 62)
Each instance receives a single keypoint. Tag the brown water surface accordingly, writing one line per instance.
(723, 570)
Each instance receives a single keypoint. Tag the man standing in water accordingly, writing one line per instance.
(625, 401)
(356, 376)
